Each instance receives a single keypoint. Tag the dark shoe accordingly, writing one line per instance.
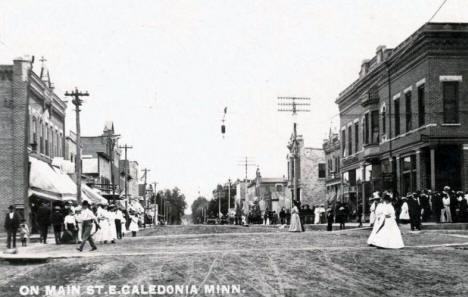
(93, 249)
(78, 249)
(113, 241)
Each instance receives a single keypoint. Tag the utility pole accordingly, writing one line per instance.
(77, 101)
(229, 195)
(126, 147)
(219, 205)
(155, 217)
(294, 105)
(144, 196)
(246, 163)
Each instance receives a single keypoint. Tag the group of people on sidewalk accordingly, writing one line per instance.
(75, 224)
(443, 207)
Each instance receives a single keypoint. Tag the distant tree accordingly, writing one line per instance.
(174, 203)
(213, 206)
(197, 209)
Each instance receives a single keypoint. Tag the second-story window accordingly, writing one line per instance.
(409, 112)
(450, 99)
(321, 170)
(356, 137)
(350, 140)
(343, 142)
(384, 123)
(375, 126)
(365, 132)
(421, 106)
(396, 109)
(34, 131)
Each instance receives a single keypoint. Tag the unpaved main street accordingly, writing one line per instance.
(434, 263)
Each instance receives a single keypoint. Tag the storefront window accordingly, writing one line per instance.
(358, 175)
(346, 178)
(368, 173)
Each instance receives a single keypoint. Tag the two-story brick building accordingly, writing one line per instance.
(404, 120)
(32, 125)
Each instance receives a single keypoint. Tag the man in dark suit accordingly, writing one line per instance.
(12, 222)
(414, 209)
(56, 219)
(43, 220)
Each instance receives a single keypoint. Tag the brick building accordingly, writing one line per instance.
(310, 168)
(32, 124)
(404, 121)
(331, 148)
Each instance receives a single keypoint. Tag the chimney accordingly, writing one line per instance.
(379, 52)
(364, 68)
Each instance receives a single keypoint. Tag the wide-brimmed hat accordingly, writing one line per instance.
(11, 207)
(446, 188)
(57, 207)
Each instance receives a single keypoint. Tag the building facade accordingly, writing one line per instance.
(101, 162)
(310, 167)
(331, 148)
(403, 125)
(32, 124)
(270, 192)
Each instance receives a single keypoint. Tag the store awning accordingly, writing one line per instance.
(136, 206)
(49, 182)
(92, 196)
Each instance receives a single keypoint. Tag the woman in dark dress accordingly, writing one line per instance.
(70, 230)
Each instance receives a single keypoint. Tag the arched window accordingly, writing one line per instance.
(52, 143)
(384, 120)
(41, 137)
(60, 145)
(46, 140)
(34, 130)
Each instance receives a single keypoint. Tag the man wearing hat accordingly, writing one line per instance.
(12, 223)
(43, 220)
(88, 218)
(56, 219)
(414, 209)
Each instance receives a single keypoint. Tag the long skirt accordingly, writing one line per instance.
(68, 236)
(112, 230)
(103, 233)
(295, 223)
(386, 234)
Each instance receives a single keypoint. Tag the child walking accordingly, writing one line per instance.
(24, 232)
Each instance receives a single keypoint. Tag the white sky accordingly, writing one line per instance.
(164, 70)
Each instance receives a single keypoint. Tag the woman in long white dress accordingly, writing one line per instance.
(133, 224)
(404, 213)
(295, 221)
(111, 219)
(386, 233)
(102, 233)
